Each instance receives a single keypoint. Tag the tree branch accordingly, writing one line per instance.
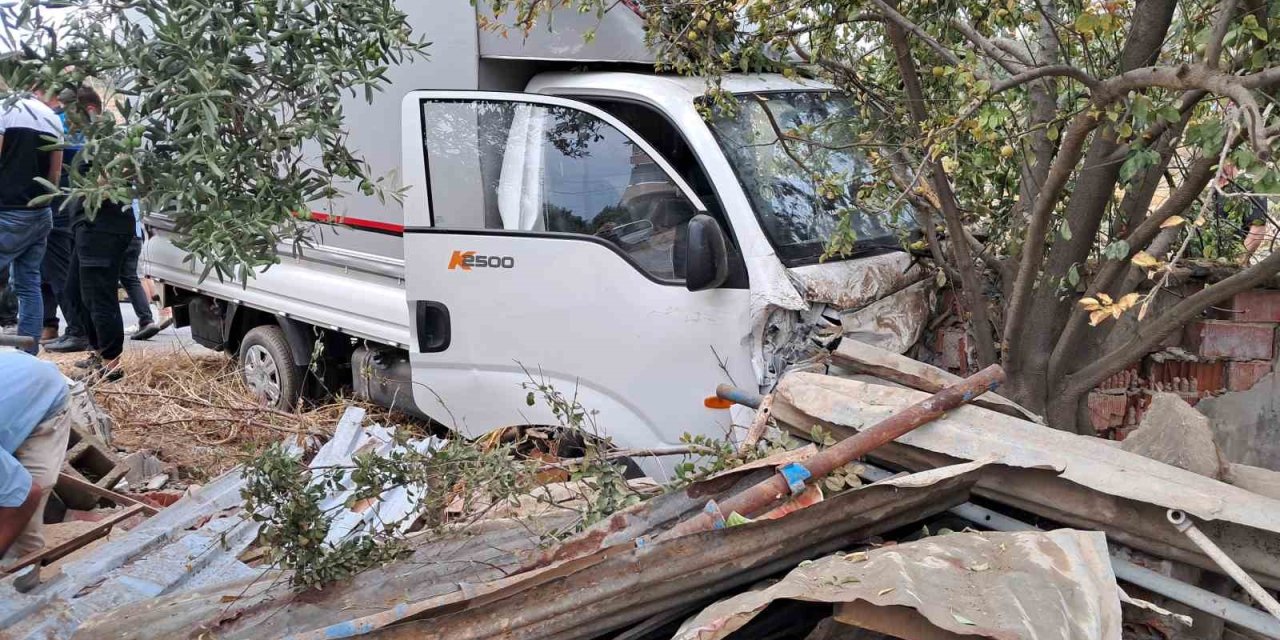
(1036, 73)
(975, 302)
(1010, 63)
(892, 15)
(1192, 77)
(1033, 248)
(1196, 179)
(1213, 50)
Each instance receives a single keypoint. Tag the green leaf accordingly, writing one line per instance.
(1073, 276)
(1065, 231)
(1118, 250)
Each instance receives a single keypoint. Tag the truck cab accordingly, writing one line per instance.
(571, 221)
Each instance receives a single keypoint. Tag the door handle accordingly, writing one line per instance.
(433, 324)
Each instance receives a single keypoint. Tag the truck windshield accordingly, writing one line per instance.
(801, 185)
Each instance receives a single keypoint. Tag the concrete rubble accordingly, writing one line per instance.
(970, 519)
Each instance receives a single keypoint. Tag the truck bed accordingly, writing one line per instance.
(355, 293)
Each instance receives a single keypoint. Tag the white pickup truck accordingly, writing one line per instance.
(571, 217)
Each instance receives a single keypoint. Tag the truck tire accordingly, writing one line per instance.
(268, 368)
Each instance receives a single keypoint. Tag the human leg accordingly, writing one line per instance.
(132, 284)
(23, 234)
(53, 272)
(101, 258)
(75, 339)
(41, 454)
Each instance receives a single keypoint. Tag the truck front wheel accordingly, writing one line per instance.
(268, 369)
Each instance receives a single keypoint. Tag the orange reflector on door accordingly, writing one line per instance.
(716, 402)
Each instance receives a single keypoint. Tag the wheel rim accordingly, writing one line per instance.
(262, 374)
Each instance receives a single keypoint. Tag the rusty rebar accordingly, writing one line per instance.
(791, 479)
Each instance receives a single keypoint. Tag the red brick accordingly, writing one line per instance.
(1208, 376)
(1256, 305)
(1241, 376)
(1231, 340)
(1106, 410)
(952, 346)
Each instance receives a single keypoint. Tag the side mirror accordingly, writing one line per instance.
(706, 254)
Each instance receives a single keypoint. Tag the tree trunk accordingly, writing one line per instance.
(1047, 316)
(1068, 411)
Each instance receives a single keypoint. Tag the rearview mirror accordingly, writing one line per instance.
(706, 257)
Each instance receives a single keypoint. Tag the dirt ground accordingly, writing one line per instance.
(192, 410)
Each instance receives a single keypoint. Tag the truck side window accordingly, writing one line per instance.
(534, 167)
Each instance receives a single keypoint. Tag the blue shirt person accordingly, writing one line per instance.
(33, 438)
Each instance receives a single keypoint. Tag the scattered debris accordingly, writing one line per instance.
(1083, 482)
(193, 412)
(850, 560)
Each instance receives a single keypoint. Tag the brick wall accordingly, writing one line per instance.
(1230, 349)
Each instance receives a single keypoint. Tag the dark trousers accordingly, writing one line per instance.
(54, 271)
(132, 283)
(101, 256)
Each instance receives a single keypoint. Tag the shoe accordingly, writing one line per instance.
(68, 344)
(97, 375)
(149, 330)
(89, 363)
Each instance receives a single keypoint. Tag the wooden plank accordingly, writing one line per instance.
(100, 529)
(894, 367)
(77, 484)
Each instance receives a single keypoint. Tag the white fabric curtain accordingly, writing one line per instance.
(520, 187)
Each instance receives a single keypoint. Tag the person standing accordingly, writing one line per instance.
(59, 247)
(29, 134)
(102, 240)
(34, 427)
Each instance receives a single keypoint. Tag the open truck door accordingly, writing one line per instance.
(547, 242)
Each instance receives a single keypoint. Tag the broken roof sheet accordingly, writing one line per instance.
(975, 433)
(1049, 586)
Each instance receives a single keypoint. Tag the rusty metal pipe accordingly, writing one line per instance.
(791, 479)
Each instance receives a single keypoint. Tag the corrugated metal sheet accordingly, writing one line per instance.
(191, 543)
(625, 585)
(188, 546)
(1049, 586)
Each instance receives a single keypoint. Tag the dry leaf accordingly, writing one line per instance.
(1172, 221)
(1144, 259)
(857, 556)
(980, 567)
(1105, 299)
(1098, 316)
(1090, 304)
(1128, 300)
(962, 620)
(885, 590)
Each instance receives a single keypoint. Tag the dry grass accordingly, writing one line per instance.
(194, 411)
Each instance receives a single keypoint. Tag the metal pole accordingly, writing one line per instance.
(17, 342)
(739, 396)
(1211, 603)
(792, 478)
(1251, 586)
